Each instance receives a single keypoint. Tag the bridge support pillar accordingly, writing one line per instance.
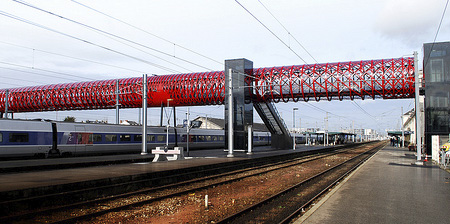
(242, 106)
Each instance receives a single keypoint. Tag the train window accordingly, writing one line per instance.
(125, 138)
(18, 137)
(138, 138)
(111, 138)
(150, 138)
(97, 137)
(85, 138)
(214, 138)
(1, 137)
(192, 138)
(161, 138)
(201, 138)
(221, 138)
(208, 138)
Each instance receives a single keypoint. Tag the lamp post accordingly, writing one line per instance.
(6, 104)
(187, 131)
(168, 124)
(293, 127)
(117, 102)
(300, 127)
(325, 133)
(417, 107)
(230, 114)
(403, 133)
(144, 115)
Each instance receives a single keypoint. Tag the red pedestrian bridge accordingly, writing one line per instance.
(386, 79)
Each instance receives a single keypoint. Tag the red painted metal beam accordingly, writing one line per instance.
(387, 79)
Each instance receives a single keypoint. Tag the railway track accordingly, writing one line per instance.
(87, 209)
(284, 206)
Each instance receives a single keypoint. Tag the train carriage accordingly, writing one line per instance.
(79, 138)
(25, 138)
(19, 138)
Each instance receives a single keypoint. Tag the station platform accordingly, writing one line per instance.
(73, 170)
(388, 188)
(12, 166)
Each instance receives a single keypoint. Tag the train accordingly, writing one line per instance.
(45, 138)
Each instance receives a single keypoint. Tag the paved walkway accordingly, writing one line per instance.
(389, 188)
(74, 162)
(97, 170)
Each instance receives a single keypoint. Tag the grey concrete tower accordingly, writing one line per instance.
(242, 82)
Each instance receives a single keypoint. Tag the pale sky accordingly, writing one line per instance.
(331, 30)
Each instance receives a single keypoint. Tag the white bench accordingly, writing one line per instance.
(161, 154)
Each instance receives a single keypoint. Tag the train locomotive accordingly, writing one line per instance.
(26, 138)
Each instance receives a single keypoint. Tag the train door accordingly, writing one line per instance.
(54, 137)
(54, 149)
(88, 141)
(80, 147)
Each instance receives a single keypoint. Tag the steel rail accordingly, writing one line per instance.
(280, 164)
(294, 214)
(232, 218)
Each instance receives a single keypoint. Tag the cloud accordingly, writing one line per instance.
(410, 21)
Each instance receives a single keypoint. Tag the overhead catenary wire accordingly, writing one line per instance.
(303, 115)
(16, 79)
(289, 33)
(45, 70)
(83, 40)
(371, 116)
(145, 31)
(435, 36)
(325, 111)
(267, 28)
(145, 52)
(108, 33)
(71, 57)
(154, 35)
(322, 110)
(102, 33)
(362, 109)
(331, 113)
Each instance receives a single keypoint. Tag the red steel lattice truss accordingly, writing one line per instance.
(386, 79)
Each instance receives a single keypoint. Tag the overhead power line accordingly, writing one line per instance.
(267, 28)
(71, 57)
(154, 35)
(364, 111)
(437, 32)
(325, 111)
(83, 40)
(289, 33)
(108, 33)
(16, 79)
(44, 70)
(145, 52)
(302, 115)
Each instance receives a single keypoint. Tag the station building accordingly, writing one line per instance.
(436, 65)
